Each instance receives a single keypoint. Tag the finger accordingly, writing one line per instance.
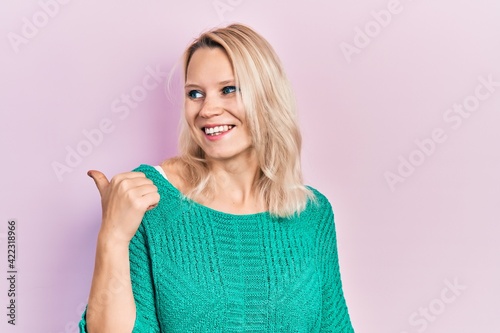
(142, 190)
(100, 180)
(152, 207)
(152, 199)
(135, 187)
(145, 202)
(129, 180)
(130, 175)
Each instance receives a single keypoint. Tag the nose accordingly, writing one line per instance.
(211, 107)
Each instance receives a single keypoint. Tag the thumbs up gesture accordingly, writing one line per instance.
(124, 201)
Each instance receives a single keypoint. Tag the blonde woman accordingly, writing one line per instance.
(225, 237)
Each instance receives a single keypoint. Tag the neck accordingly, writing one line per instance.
(235, 182)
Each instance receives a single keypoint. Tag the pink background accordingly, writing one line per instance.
(400, 247)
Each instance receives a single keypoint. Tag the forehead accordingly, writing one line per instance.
(209, 63)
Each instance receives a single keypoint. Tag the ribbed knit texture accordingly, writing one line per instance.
(195, 269)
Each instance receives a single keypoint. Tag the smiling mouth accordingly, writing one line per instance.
(217, 130)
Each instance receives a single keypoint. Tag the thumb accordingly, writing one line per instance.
(100, 180)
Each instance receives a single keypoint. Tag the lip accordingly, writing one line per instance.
(215, 125)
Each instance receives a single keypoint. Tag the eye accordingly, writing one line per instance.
(229, 90)
(194, 94)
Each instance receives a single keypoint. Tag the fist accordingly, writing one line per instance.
(124, 201)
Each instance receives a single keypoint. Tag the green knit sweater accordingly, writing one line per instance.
(195, 269)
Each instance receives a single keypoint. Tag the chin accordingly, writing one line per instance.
(227, 155)
(219, 156)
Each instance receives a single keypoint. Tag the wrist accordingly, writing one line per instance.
(112, 239)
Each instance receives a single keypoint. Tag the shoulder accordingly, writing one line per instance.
(322, 216)
(172, 200)
(319, 202)
(320, 213)
(173, 168)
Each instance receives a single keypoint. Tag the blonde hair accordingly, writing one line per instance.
(270, 109)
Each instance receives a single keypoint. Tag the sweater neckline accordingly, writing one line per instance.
(181, 195)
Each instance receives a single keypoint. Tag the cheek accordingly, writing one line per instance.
(237, 111)
(189, 114)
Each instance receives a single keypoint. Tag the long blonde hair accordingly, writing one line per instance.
(271, 115)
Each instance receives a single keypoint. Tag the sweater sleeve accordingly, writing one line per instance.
(141, 273)
(142, 286)
(335, 316)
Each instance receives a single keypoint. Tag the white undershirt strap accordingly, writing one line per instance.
(160, 170)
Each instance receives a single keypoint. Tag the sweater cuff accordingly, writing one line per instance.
(83, 321)
(138, 326)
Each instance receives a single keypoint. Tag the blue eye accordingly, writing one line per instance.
(229, 89)
(194, 94)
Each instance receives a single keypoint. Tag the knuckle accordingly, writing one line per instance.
(126, 183)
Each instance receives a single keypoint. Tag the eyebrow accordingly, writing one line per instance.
(221, 83)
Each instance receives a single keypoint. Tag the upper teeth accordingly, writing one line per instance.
(217, 129)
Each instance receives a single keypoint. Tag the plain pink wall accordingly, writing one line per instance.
(418, 244)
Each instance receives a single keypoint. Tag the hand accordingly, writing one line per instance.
(124, 201)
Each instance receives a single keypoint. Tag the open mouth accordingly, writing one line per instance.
(217, 130)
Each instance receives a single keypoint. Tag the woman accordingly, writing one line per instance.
(225, 237)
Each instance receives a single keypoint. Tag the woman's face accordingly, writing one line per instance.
(214, 113)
